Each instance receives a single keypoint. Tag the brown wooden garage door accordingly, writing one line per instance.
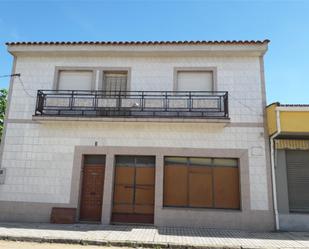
(92, 188)
(133, 200)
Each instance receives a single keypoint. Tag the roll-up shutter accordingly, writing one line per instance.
(194, 81)
(75, 80)
(298, 180)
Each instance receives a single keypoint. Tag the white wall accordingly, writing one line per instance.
(39, 157)
(240, 76)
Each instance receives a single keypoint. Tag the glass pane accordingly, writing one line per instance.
(94, 159)
(176, 160)
(145, 160)
(125, 160)
(226, 162)
(200, 161)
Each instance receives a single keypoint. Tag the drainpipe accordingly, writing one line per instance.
(272, 155)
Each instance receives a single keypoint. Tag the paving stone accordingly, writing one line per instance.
(149, 236)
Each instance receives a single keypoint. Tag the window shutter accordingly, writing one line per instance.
(298, 180)
(195, 81)
(75, 80)
(226, 187)
(175, 185)
(201, 182)
(200, 186)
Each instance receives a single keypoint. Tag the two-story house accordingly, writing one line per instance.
(166, 133)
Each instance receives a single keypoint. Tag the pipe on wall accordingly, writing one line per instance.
(272, 155)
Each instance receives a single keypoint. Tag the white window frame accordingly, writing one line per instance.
(97, 75)
(58, 70)
(101, 85)
(213, 70)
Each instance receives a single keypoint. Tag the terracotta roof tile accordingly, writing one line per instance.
(137, 42)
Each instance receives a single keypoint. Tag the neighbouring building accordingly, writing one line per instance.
(288, 127)
(169, 133)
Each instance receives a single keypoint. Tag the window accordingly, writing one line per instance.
(115, 81)
(201, 182)
(194, 81)
(75, 80)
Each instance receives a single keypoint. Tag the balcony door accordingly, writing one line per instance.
(134, 183)
(114, 81)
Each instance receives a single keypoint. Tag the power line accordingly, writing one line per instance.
(20, 81)
(10, 75)
(248, 107)
(23, 86)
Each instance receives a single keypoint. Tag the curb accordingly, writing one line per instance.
(133, 244)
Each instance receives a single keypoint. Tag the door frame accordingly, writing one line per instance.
(113, 186)
(161, 213)
(81, 179)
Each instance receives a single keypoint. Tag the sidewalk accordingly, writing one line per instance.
(148, 236)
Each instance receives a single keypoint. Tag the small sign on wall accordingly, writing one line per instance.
(2, 175)
(257, 151)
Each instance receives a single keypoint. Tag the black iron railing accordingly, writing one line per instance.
(189, 104)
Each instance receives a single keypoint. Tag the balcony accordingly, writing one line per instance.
(132, 104)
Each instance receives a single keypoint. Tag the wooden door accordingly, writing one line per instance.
(92, 192)
(133, 200)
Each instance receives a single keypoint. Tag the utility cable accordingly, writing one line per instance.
(24, 89)
(248, 107)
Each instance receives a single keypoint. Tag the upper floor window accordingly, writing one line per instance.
(115, 80)
(195, 81)
(75, 80)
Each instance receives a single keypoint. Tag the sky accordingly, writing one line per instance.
(285, 23)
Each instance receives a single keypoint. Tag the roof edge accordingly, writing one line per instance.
(201, 42)
(278, 104)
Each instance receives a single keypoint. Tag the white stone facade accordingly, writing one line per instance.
(38, 156)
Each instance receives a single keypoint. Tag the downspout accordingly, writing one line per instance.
(272, 155)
